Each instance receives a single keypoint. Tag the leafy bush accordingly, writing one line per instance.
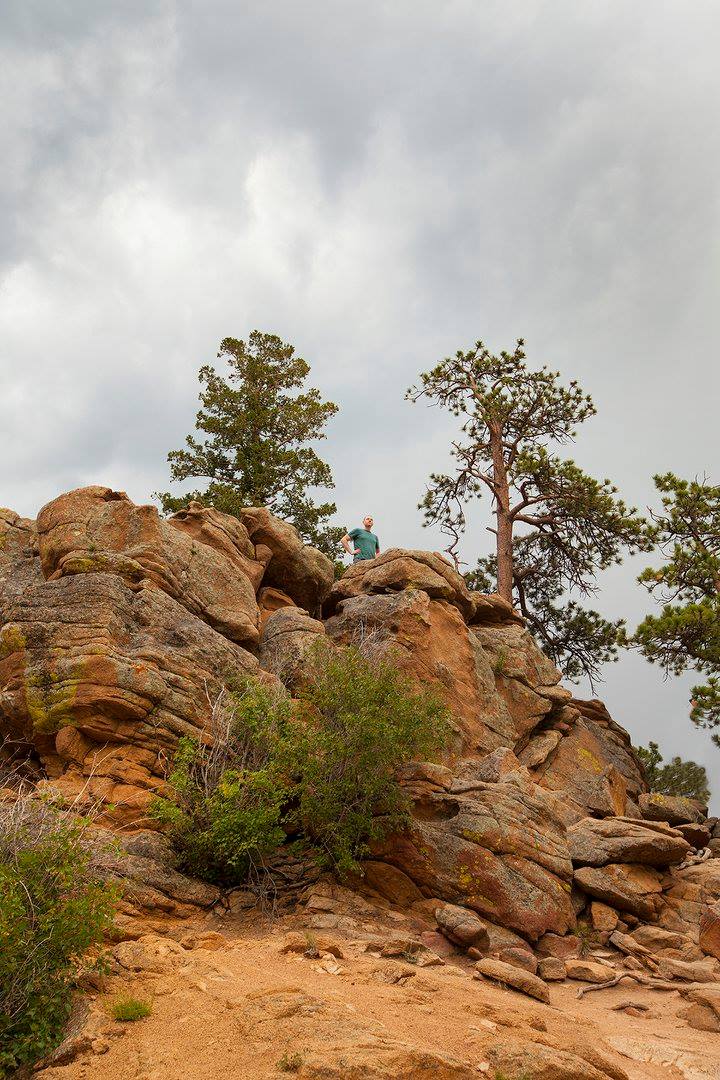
(53, 907)
(129, 1009)
(225, 797)
(323, 767)
(361, 719)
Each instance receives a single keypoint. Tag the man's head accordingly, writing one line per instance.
(368, 523)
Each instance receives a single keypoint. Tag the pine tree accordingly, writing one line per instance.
(686, 635)
(555, 526)
(257, 424)
(677, 777)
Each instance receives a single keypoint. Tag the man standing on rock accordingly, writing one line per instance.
(365, 543)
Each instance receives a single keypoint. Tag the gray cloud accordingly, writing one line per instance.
(380, 184)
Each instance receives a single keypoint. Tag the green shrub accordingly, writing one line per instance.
(53, 908)
(224, 801)
(361, 720)
(128, 1009)
(323, 767)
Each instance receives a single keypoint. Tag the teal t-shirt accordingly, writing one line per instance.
(366, 542)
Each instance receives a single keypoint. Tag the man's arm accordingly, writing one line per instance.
(346, 542)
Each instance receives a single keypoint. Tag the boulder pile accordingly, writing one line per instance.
(534, 846)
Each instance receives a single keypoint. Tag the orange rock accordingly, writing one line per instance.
(95, 530)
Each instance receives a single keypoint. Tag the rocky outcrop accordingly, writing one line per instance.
(671, 808)
(302, 572)
(289, 634)
(97, 530)
(497, 848)
(396, 570)
(593, 764)
(102, 679)
(625, 886)
(119, 630)
(597, 842)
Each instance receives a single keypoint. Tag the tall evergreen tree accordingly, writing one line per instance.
(686, 635)
(555, 526)
(256, 427)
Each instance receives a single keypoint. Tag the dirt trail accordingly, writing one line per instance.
(237, 1007)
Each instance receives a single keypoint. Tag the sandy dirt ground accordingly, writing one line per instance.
(237, 1007)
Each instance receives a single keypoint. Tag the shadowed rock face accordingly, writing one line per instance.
(302, 572)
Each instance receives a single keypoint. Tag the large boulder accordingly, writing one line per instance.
(398, 569)
(462, 927)
(225, 534)
(95, 529)
(303, 572)
(674, 809)
(288, 635)
(499, 849)
(594, 842)
(625, 886)
(516, 977)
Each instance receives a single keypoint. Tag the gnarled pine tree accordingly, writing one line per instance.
(555, 526)
(257, 427)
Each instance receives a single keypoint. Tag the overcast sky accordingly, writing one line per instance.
(380, 184)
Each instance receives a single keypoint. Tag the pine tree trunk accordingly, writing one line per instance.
(503, 519)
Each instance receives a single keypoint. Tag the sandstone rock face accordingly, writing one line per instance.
(271, 600)
(688, 895)
(432, 643)
(94, 530)
(396, 570)
(499, 849)
(288, 636)
(597, 842)
(709, 931)
(302, 572)
(627, 887)
(223, 533)
(19, 565)
(102, 680)
(593, 765)
(671, 808)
